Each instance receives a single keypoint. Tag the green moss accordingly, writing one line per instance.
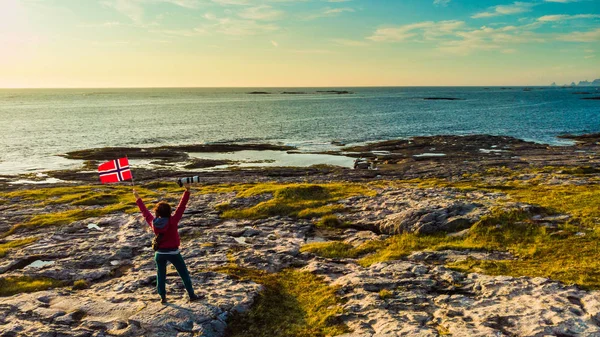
(98, 199)
(320, 211)
(385, 294)
(330, 221)
(442, 331)
(101, 199)
(332, 249)
(63, 218)
(11, 285)
(224, 206)
(577, 170)
(572, 259)
(340, 250)
(300, 200)
(7, 246)
(402, 245)
(80, 285)
(80, 195)
(293, 304)
(498, 231)
(580, 201)
(560, 256)
(567, 257)
(220, 188)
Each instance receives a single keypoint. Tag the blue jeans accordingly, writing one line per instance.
(161, 272)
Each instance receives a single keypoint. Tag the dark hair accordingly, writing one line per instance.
(162, 210)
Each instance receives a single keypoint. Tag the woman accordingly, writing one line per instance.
(164, 226)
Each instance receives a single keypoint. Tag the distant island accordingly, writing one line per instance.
(594, 83)
(335, 92)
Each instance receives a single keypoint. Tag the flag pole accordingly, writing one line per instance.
(132, 181)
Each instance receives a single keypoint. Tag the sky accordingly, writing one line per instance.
(297, 43)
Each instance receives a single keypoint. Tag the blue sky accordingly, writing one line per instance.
(139, 43)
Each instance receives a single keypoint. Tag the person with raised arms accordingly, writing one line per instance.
(166, 242)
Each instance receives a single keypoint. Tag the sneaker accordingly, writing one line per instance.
(163, 299)
(195, 297)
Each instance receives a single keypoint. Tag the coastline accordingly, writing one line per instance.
(498, 231)
(401, 158)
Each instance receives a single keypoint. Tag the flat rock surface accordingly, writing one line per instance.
(412, 296)
(424, 298)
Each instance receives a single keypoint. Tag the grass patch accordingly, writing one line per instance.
(293, 304)
(329, 221)
(224, 206)
(569, 258)
(583, 201)
(5, 247)
(402, 245)
(566, 257)
(96, 201)
(299, 200)
(500, 230)
(80, 285)
(320, 211)
(333, 249)
(385, 294)
(572, 260)
(65, 217)
(11, 285)
(340, 250)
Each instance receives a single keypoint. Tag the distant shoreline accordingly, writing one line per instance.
(443, 155)
(305, 87)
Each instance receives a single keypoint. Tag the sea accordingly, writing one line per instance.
(38, 125)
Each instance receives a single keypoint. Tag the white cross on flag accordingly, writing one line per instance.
(114, 171)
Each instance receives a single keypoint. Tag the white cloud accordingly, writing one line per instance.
(134, 9)
(562, 1)
(327, 12)
(563, 17)
(183, 3)
(263, 12)
(236, 27)
(312, 51)
(456, 38)
(349, 43)
(130, 8)
(334, 11)
(428, 29)
(516, 8)
(589, 36)
(232, 2)
(442, 3)
(180, 32)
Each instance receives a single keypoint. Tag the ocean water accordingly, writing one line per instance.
(39, 124)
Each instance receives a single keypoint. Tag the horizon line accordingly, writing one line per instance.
(278, 87)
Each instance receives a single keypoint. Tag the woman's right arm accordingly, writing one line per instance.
(145, 212)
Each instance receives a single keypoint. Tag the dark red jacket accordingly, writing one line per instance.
(170, 239)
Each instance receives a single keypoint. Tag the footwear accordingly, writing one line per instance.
(163, 299)
(195, 297)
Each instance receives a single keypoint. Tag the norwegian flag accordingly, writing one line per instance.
(114, 171)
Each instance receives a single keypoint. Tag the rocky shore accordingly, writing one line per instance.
(498, 237)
